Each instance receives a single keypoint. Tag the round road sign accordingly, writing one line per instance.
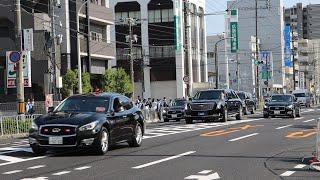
(14, 56)
(186, 79)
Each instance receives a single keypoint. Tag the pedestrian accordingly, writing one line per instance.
(164, 102)
(170, 103)
(29, 107)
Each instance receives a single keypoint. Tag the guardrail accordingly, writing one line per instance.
(15, 125)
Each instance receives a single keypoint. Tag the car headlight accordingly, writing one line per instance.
(34, 125)
(265, 106)
(89, 126)
(290, 106)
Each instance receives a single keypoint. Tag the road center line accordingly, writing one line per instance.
(61, 173)
(284, 126)
(300, 166)
(309, 120)
(287, 173)
(12, 172)
(36, 167)
(163, 160)
(243, 137)
(82, 168)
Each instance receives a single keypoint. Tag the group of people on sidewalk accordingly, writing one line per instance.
(30, 106)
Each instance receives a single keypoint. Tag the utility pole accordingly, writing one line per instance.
(131, 39)
(293, 60)
(53, 50)
(20, 81)
(257, 54)
(188, 46)
(88, 37)
(238, 71)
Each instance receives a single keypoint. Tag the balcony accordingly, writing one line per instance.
(98, 14)
(98, 49)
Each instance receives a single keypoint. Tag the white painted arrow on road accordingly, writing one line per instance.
(212, 176)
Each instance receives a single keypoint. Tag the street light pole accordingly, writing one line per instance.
(78, 47)
(216, 59)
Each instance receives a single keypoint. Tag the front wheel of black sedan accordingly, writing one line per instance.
(239, 115)
(38, 150)
(224, 117)
(298, 113)
(189, 121)
(136, 140)
(102, 144)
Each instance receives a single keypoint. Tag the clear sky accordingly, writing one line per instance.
(215, 24)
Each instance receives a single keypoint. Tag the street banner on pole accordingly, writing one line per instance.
(177, 23)
(12, 69)
(234, 30)
(28, 39)
(301, 80)
(287, 47)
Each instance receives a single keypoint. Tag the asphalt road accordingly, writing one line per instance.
(252, 149)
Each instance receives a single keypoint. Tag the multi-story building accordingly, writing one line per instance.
(312, 13)
(162, 58)
(94, 19)
(270, 34)
(34, 15)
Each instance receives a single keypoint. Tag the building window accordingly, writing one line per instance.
(161, 15)
(95, 2)
(96, 36)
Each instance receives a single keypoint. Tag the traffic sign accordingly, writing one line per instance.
(186, 79)
(14, 56)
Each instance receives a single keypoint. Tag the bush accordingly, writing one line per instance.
(117, 81)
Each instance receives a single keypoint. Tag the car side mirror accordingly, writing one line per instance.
(111, 113)
(190, 99)
(50, 109)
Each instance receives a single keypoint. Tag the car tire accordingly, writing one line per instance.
(265, 115)
(189, 121)
(102, 144)
(166, 120)
(293, 114)
(136, 139)
(224, 117)
(36, 149)
(239, 115)
(299, 113)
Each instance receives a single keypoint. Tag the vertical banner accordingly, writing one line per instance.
(177, 23)
(287, 47)
(234, 41)
(12, 69)
(28, 39)
(301, 80)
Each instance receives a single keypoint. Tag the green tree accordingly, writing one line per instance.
(69, 82)
(117, 81)
(86, 84)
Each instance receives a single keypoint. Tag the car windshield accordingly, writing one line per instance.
(179, 103)
(241, 96)
(281, 98)
(299, 95)
(207, 95)
(83, 104)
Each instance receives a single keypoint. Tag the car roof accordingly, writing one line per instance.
(105, 95)
(282, 95)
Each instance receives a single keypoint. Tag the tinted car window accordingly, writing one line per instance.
(127, 103)
(179, 103)
(242, 96)
(281, 98)
(84, 104)
(207, 95)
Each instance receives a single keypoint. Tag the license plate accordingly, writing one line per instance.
(55, 140)
(174, 116)
(277, 112)
(201, 113)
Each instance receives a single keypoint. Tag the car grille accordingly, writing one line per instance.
(174, 112)
(201, 107)
(58, 130)
(277, 108)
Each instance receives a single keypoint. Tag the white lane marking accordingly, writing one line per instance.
(308, 120)
(61, 173)
(205, 172)
(10, 158)
(163, 160)
(243, 137)
(37, 178)
(212, 176)
(284, 126)
(300, 166)
(298, 118)
(82, 168)
(23, 160)
(287, 173)
(36, 167)
(12, 172)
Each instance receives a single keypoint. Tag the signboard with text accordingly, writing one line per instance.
(12, 69)
(28, 39)
(177, 23)
(287, 46)
(234, 41)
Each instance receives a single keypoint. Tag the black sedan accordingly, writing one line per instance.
(282, 105)
(249, 103)
(94, 120)
(176, 111)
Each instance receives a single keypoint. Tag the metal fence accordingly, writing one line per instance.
(9, 109)
(14, 125)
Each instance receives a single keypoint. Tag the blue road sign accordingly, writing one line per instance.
(14, 56)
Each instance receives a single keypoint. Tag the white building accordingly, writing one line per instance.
(161, 57)
(270, 34)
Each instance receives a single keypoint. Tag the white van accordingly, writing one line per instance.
(303, 97)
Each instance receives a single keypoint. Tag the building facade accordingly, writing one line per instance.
(162, 56)
(270, 35)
